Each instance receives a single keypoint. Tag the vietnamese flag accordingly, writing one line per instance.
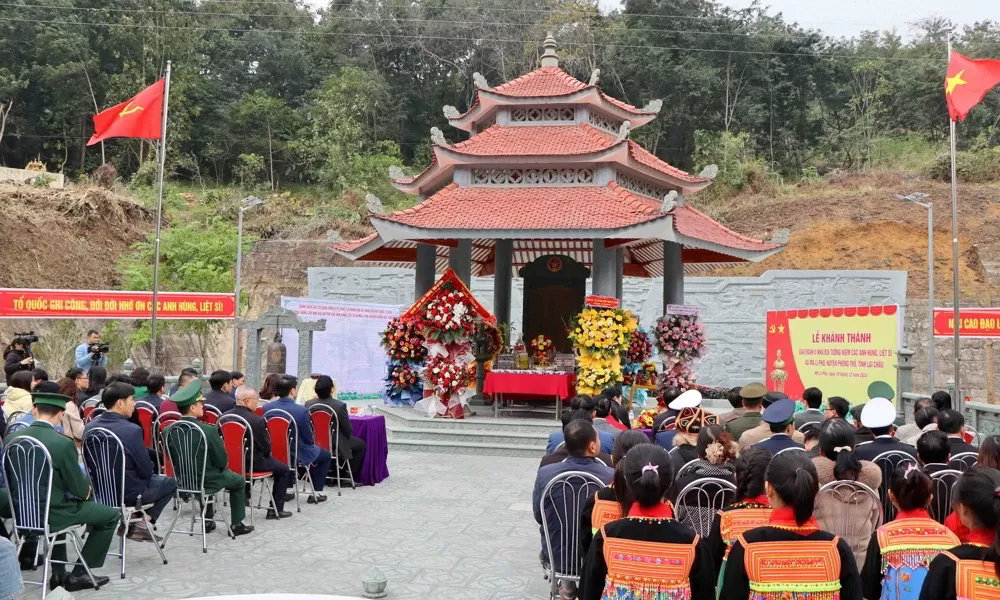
(967, 83)
(140, 117)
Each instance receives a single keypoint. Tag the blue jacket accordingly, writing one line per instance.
(308, 450)
(84, 360)
(778, 442)
(587, 464)
(557, 437)
(138, 466)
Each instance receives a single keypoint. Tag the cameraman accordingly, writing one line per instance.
(17, 358)
(88, 354)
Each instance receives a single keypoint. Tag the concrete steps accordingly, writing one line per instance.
(411, 431)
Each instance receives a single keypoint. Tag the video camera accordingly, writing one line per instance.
(98, 349)
(26, 339)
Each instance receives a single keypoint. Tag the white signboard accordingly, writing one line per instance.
(349, 349)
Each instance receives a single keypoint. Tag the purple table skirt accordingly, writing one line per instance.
(371, 429)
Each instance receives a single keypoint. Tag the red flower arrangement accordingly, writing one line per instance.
(403, 377)
(446, 377)
(640, 349)
(401, 340)
(447, 319)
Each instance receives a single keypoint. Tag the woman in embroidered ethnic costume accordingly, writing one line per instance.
(899, 552)
(749, 509)
(610, 503)
(971, 571)
(717, 452)
(989, 456)
(647, 555)
(791, 558)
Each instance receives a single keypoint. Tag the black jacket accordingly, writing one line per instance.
(220, 400)
(959, 446)
(880, 445)
(12, 363)
(344, 423)
(261, 439)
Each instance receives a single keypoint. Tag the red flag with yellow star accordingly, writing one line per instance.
(967, 83)
(138, 118)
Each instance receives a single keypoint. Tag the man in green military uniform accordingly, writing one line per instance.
(69, 504)
(753, 399)
(217, 475)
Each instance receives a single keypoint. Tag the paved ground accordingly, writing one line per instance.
(440, 527)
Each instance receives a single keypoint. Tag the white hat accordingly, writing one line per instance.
(878, 412)
(688, 399)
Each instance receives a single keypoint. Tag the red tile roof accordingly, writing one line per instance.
(537, 140)
(530, 208)
(540, 83)
(647, 158)
(626, 106)
(354, 244)
(694, 224)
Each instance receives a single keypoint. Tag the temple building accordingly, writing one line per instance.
(549, 187)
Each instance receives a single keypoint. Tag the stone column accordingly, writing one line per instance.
(904, 381)
(253, 356)
(604, 270)
(619, 273)
(503, 263)
(424, 279)
(460, 260)
(305, 356)
(673, 274)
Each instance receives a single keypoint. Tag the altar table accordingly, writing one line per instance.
(371, 428)
(561, 386)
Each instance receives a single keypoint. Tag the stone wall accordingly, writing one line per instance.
(56, 180)
(733, 308)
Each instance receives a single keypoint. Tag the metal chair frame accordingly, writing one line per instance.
(104, 458)
(887, 463)
(943, 487)
(158, 444)
(685, 468)
(967, 460)
(847, 528)
(16, 426)
(292, 439)
(27, 466)
(14, 416)
(89, 405)
(977, 438)
(801, 428)
(577, 487)
(790, 449)
(93, 414)
(191, 479)
(700, 520)
(333, 442)
(210, 410)
(246, 464)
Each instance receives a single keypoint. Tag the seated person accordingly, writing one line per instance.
(925, 420)
(878, 415)
(933, 451)
(589, 405)
(141, 479)
(309, 454)
(218, 397)
(155, 386)
(246, 405)
(351, 449)
(953, 424)
(217, 474)
(562, 453)
(183, 381)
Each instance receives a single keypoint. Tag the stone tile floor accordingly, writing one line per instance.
(441, 527)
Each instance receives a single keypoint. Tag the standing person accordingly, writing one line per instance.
(17, 358)
(905, 432)
(878, 415)
(752, 396)
(648, 554)
(69, 502)
(87, 358)
(18, 393)
(837, 408)
(899, 552)
(613, 502)
(263, 462)
(780, 419)
(311, 455)
(749, 508)
(238, 379)
(218, 477)
(791, 557)
(141, 479)
(813, 398)
(839, 462)
(953, 424)
(972, 569)
(221, 383)
(351, 449)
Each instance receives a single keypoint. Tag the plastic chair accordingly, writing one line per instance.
(324, 418)
(147, 415)
(566, 495)
(963, 461)
(943, 486)
(977, 438)
(27, 466)
(211, 415)
(840, 523)
(187, 452)
(89, 405)
(284, 447)
(700, 500)
(237, 437)
(104, 457)
(887, 463)
(160, 424)
(94, 413)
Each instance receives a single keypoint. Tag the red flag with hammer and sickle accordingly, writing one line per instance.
(138, 118)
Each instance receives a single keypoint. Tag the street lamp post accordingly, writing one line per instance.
(919, 198)
(248, 203)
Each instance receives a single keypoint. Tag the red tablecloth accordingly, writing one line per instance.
(531, 383)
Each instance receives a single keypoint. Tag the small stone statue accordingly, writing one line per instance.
(374, 205)
(396, 172)
(623, 131)
(709, 172)
(654, 106)
(437, 137)
(595, 76)
(450, 112)
(669, 201)
(480, 82)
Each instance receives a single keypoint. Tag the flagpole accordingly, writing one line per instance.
(159, 217)
(959, 398)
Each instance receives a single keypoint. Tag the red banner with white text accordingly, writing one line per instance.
(92, 304)
(976, 322)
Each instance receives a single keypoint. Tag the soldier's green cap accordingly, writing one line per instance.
(881, 389)
(57, 400)
(187, 395)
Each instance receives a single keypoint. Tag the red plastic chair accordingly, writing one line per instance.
(161, 423)
(324, 419)
(283, 431)
(259, 411)
(147, 415)
(211, 415)
(237, 438)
